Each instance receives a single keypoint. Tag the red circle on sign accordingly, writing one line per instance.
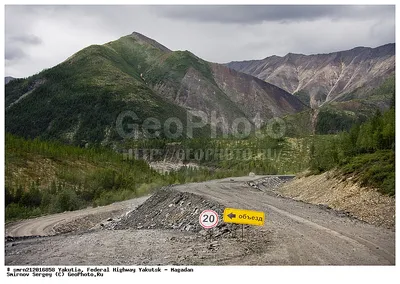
(205, 222)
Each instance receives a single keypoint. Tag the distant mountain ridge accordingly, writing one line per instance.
(323, 78)
(8, 79)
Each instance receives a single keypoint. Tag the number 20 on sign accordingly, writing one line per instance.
(208, 219)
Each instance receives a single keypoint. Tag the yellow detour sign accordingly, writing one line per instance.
(240, 216)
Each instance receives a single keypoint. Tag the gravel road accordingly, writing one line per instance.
(295, 233)
(48, 225)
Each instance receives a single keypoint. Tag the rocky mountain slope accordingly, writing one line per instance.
(79, 100)
(321, 78)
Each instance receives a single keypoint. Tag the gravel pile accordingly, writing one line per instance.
(172, 209)
(270, 182)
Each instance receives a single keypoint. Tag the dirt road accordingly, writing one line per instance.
(48, 225)
(295, 233)
(305, 233)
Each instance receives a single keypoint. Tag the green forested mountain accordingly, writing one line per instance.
(79, 100)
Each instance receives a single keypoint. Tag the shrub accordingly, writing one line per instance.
(66, 200)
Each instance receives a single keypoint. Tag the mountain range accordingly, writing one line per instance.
(322, 78)
(80, 100)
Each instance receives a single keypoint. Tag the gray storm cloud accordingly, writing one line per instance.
(23, 38)
(270, 13)
(15, 44)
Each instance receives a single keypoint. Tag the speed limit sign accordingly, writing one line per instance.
(208, 219)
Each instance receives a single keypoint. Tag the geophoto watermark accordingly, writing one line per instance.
(129, 126)
(201, 155)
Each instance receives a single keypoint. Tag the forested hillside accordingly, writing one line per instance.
(367, 152)
(47, 177)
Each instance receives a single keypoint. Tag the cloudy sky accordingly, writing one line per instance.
(38, 37)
